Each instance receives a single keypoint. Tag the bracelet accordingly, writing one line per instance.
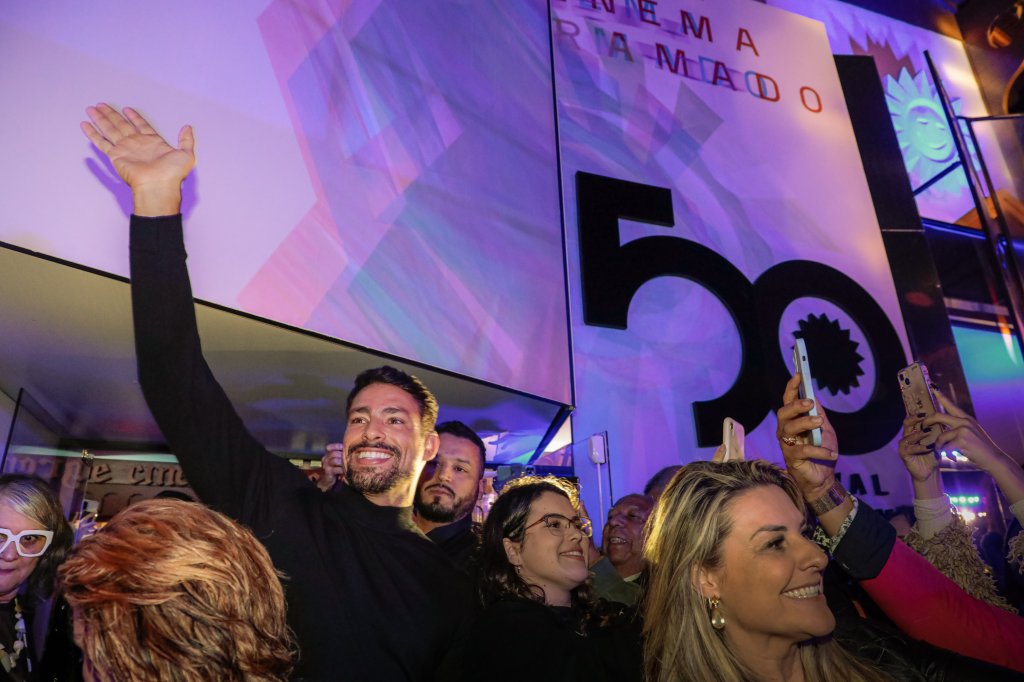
(829, 543)
(835, 496)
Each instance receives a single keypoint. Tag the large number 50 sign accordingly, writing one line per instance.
(612, 273)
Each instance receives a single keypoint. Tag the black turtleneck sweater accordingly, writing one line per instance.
(458, 541)
(369, 596)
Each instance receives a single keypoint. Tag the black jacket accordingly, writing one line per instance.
(369, 597)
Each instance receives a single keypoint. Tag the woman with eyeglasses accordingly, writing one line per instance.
(34, 539)
(533, 572)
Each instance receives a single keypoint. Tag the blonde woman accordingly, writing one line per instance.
(735, 589)
(918, 599)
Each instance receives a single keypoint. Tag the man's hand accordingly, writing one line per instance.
(812, 467)
(152, 168)
(333, 465)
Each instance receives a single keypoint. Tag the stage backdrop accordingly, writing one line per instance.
(925, 139)
(380, 171)
(715, 207)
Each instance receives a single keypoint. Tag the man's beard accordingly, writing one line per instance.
(428, 506)
(375, 482)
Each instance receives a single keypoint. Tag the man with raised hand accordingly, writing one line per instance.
(369, 596)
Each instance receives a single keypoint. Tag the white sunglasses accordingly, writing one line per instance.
(29, 543)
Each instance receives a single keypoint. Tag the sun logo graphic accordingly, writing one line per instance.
(923, 132)
(833, 354)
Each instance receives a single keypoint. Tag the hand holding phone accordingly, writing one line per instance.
(732, 438)
(918, 399)
(803, 367)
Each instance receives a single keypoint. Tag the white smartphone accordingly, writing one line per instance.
(732, 438)
(803, 367)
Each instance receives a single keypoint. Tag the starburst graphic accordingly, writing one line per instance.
(833, 355)
(922, 130)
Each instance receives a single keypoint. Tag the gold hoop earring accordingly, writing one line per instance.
(717, 619)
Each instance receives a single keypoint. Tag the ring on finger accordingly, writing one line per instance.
(790, 440)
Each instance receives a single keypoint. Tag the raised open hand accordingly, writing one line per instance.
(152, 168)
(812, 467)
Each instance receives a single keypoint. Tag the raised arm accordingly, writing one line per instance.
(812, 467)
(227, 468)
(925, 604)
(928, 606)
(912, 592)
(941, 537)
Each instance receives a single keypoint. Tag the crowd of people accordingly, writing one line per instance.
(736, 570)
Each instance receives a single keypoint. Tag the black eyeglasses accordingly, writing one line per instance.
(562, 525)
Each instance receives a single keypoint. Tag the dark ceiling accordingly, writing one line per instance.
(66, 340)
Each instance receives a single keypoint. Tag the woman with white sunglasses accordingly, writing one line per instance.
(34, 539)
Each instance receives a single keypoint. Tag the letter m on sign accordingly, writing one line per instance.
(696, 30)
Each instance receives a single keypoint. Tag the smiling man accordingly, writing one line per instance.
(622, 544)
(384, 450)
(622, 540)
(445, 494)
(369, 596)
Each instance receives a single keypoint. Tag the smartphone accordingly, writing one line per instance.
(732, 438)
(918, 399)
(801, 365)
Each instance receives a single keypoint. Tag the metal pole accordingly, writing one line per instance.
(996, 232)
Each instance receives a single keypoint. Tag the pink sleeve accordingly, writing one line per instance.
(929, 606)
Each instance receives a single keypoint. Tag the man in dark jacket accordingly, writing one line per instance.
(370, 597)
(446, 493)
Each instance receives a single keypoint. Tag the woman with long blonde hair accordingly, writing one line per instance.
(735, 582)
